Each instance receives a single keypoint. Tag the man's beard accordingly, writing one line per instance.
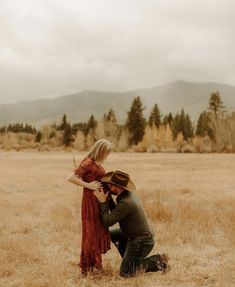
(113, 193)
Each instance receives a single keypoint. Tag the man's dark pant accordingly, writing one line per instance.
(133, 253)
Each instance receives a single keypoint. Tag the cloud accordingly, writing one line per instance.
(51, 48)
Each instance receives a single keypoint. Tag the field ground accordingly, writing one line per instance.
(189, 198)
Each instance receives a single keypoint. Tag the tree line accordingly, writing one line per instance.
(134, 130)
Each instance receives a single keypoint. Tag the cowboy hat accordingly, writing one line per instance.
(120, 179)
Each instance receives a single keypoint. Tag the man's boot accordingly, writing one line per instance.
(162, 263)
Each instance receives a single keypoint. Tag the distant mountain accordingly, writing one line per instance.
(192, 97)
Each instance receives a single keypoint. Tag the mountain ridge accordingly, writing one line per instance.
(172, 97)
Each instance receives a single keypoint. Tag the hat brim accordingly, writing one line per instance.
(108, 178)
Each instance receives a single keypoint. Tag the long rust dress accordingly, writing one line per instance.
(95, 238)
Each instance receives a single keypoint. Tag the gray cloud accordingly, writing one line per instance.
(52, 48)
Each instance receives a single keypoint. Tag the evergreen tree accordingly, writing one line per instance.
(63, 124)
(29, 129)
(90, 125)
(9, 128)
(3, 129)
(168, 119)
(155, 117)
(135, 122)
(67, 135)
(18, 128)
(111, 116)
(79, 127)
(54, 126)
(216, 105)
(176, 126)
(182, 123)
(52, 135)
(187, 127)
(38, 137)
(67, 131)
(202, 124)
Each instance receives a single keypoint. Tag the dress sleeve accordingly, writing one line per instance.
(82, 169)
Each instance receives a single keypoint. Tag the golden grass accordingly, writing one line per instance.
(189, 199)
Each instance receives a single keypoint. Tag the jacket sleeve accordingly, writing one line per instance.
(111, 203)
(121, 210)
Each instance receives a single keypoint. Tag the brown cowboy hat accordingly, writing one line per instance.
(120, 179)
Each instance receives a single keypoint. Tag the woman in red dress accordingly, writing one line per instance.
(95, 238)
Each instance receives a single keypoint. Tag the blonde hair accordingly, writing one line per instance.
(100, 150)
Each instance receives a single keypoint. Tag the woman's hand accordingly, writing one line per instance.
(94, 185)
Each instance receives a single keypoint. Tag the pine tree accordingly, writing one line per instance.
(3, 129)
(67, 135)
(38, 137)
(168, 119)
(182, 124)
(216, 105)
(90, 125)
(176, 126)
(203, 127)
(111, 116)
(155, 117)
(9, 128)
(29, 129)
(67, 131)
(187, 127)
(79, 127)
(135, 122)
(63, 124)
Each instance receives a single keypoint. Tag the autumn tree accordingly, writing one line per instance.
(110, 124)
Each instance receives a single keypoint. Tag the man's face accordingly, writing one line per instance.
(114, 189)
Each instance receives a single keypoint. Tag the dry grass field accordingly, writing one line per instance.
(189, 198)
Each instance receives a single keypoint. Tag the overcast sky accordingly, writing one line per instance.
(50, 48)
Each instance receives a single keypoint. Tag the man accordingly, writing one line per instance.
(134, 239)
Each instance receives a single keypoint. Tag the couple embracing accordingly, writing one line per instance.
(134, 238)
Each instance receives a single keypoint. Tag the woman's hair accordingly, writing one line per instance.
(100, 150)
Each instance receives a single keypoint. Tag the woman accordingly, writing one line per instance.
(95, 238)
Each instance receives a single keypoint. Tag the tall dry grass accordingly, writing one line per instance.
(188, 198)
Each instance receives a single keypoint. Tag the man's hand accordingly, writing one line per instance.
(101, 196)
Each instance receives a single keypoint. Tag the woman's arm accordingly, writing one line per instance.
(94, 185)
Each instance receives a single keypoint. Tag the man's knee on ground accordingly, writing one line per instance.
(129, 270)
(127, 274)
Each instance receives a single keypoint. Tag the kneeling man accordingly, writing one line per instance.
(134, 239)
